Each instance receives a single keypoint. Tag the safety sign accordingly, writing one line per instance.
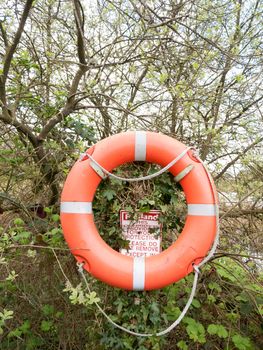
(143, 233)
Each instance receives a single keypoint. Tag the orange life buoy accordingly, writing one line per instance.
(110, 266)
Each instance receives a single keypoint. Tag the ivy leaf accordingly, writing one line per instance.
(145, 208)
(48, 210)
(55, 217)
(211, 299)
(196, 332)
(155, 308)
(18, 222)
(22, 237)
(182, 345)
(241, 343)
(214, 286)
(196, 303)
(222, 332)
(218, 330)
(119, 307)
(145, 313)
(25, 327)
(212, 329)
(14, 333)
(109, 194)
(46, 325)
(48, 309)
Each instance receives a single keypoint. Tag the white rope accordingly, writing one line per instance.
(165, 331)
(148, 177)
(195, 267)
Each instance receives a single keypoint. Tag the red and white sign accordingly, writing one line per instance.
(144, 234)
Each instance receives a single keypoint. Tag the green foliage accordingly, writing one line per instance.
(220, 294)
(161, 193)
(241, 343)
(191, 72)
(182, 345)
(22, 330)
(195, 330)
(4, 316)
(218, 330)
(78, 296)
(46, 326)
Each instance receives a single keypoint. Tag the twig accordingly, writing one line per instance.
(241, 200)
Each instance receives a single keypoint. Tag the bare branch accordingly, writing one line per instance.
(3, 32)
(240, 155)
(169, 25)
(244, 212)
(56, 119)
(11, 50)
(83, 67)
(25, 130)
(79, 18)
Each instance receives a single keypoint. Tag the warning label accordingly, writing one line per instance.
(143, 234)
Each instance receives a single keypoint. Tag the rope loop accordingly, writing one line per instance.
(196, 269)
(80, 266)
(136, 179)
(159, 334)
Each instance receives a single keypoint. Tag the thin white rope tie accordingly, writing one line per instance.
(147, 177)
(195, 267)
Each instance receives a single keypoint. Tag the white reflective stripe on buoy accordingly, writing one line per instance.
(202, 209)
(98, 170)
(184, 172)
(76, 207)
(138, 273)
(140, 145)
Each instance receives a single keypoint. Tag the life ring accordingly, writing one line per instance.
(110, 266)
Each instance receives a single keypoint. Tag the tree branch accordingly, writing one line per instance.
(79, 19)
(237, 157)
(169, 25)
(24, 129)
(11, 50)
(3, 32)
(244, 212)
(83, 67)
